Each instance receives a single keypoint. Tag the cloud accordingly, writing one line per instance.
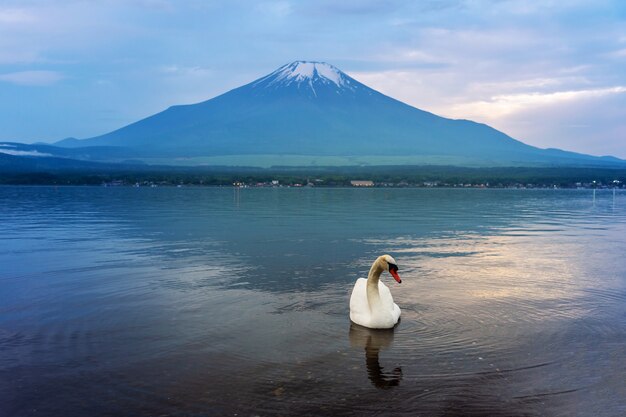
(16, 16)
(76, 30)
(32, 78)
(620, 53)
(276, 8)
(530, 84)
(593, 124)
(354, 7)
(17, 56)
(23, 153)
(409, 57)
(503, 105)
(163, 5)
(185, 71)
(485, 101)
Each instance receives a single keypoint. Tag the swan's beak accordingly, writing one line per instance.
(395, 275)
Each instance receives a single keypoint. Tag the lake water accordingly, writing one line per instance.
(220, 301)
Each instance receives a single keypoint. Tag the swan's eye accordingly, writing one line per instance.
(393, 267)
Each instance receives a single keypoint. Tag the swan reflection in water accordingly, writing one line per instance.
(373, 341)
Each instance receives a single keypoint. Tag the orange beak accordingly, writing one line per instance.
(396, 276)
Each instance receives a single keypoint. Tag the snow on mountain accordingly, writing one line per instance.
(311, 74)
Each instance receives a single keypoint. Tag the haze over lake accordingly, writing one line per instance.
(224, 301)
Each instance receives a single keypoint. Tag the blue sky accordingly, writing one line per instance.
(549, 73)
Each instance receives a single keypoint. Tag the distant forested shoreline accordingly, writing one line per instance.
(377, 176)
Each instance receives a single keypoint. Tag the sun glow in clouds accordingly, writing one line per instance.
(506, 104)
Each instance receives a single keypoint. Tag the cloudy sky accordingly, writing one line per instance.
(549, 73)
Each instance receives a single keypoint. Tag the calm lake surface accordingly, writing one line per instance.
(216, 302)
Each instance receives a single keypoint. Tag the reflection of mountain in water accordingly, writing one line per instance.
(373, 341)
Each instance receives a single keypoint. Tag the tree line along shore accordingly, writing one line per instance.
(392, 176)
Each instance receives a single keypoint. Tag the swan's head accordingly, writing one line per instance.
(391, 265)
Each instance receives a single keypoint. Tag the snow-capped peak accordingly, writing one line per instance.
(308, 72)
(301, 70)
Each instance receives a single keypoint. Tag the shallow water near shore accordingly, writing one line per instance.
(220, 301)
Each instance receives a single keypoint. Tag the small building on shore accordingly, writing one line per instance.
(362, 183)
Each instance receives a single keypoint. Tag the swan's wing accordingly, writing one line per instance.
(387, 300)
(396, 312)
(385, 296)
(359, 306)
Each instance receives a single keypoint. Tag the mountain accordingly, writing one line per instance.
(312, 113)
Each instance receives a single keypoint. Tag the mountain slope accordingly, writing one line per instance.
(314, 109)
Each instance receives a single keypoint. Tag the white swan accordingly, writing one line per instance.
(371, 303)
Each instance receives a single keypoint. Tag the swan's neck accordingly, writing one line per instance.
(373, 297)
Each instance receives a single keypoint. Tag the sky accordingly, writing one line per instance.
(549, 73)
